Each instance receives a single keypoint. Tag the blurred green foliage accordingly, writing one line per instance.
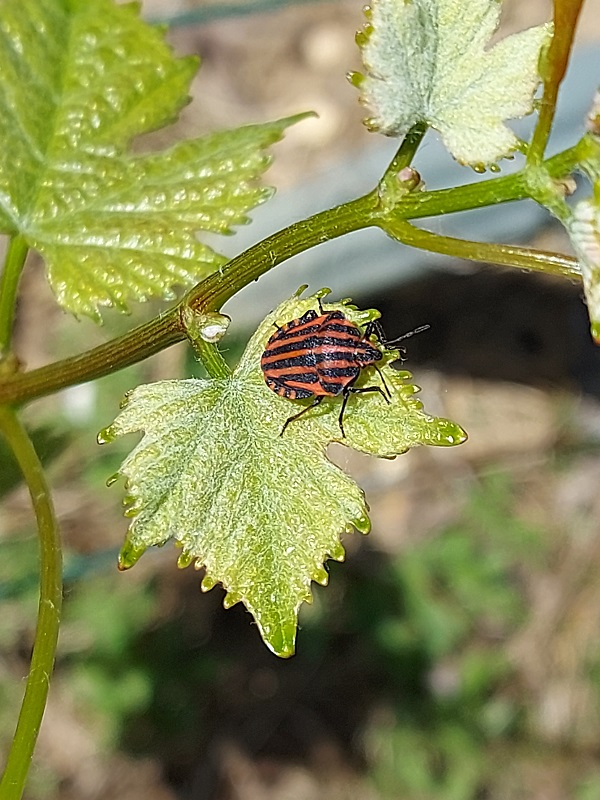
(461, 598)
(405, 658)
(101, 623)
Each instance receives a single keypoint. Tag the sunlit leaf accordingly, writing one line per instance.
(79, 79)
(593, 118)
(260, 511)
(584, 230)
(431, 61)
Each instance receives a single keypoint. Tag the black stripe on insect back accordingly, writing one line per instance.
(307, 322)
(311, 323)
(346, 355)
(334, 386)
(343, 342)
(339, 372)
(296, 331)
(304, 360)
(291, 392)
(305, 378)
(293, 373)
(298, 323)
(340, 327)
(300, 344)
(310, 343)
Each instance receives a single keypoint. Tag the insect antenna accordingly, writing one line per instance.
(378, 330)
(389, 342)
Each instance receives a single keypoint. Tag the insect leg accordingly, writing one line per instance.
(314, 403)
(375, 327)
(387, 388)
(341, 416)
(354, 390)
(362, 389)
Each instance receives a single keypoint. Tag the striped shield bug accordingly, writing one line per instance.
(321, 355)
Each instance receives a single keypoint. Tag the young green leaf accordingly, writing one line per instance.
(426, 61)
(584, 230)
(78, 80)
(593, 118)
(259, 510)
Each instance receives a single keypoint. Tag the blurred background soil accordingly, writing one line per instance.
(456, 654)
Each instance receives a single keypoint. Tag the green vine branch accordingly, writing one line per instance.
(9, 283)
(209, 295)
(503, 255)
(554, 66)
(389, 183)
(46, 635)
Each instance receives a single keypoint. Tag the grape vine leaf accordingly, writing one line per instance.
(583, 221)
(79, 79)
(259, 511)
(584, 231)
(593, 118)
(426, 61)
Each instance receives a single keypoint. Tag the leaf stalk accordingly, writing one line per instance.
(9, 283)
(403, 158)
(46, 636)
(554, 65)
(487, 252)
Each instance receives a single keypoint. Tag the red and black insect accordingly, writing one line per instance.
(321, 355)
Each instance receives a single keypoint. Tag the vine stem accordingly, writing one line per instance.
(9, 283)
(46, 635)
(212, 360)
(404, 156)
(554, 65)
(217, 288)
(209, 295)
(503, 255)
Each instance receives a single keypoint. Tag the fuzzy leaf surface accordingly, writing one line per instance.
(79, 79)
(430, 61)
(583, 224)
(584, 231)
(261, 512)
